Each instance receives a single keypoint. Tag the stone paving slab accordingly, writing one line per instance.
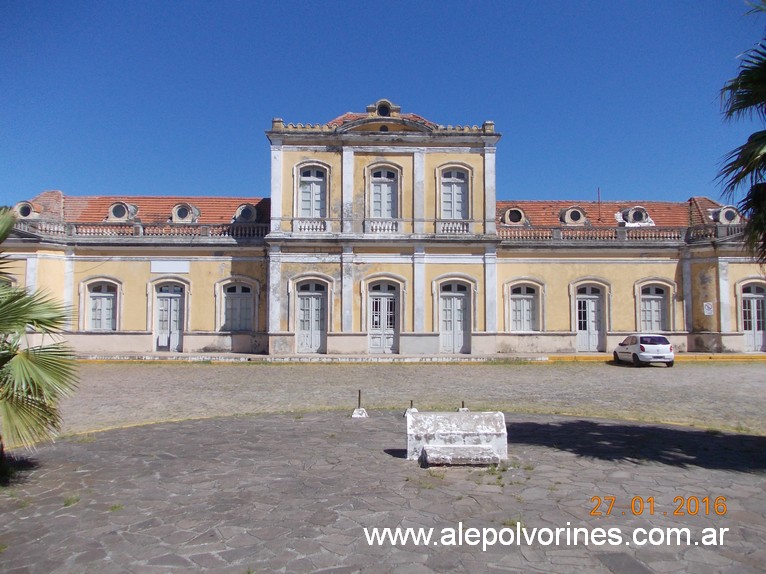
(294, 492)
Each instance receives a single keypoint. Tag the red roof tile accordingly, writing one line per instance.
(150, 209)
(700, 210)
(349, 117)
(598, 214)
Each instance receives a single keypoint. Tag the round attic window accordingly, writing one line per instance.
(184, 213)
(383, 128)
(119, 211)
(573, 216)
(384, 110)
(247, 213)
(514, 216)
(729, 215)
(24, 210)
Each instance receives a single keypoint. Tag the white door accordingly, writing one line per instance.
(454, 319)
(312, 330)
(589, 332)
(754, 318)
(382, 319)
(169, 318)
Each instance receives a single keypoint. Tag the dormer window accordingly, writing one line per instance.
(637, 216)
(24, 210)
(727, 215)
(574, 216)
(184, 213)
(120, 212)
(514, 216)
(246, 213)
(384, 109)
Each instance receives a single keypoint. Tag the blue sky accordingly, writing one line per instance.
(171, 98)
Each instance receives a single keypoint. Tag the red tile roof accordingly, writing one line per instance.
(150, 209)
(349, 117)
(700, 209)
(602, 214)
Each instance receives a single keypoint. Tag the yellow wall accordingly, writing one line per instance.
(621, 277)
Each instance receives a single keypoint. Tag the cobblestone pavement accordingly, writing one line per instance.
(293, 492)
(720, 395)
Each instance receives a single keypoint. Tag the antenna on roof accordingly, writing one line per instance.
(598, 190)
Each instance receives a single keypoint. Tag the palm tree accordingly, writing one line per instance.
(745, 97)
(32, 378)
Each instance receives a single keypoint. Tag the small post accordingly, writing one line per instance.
(359, 412)
(412, 409)
(462, 408)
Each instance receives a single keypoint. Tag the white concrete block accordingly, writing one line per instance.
(456, 429)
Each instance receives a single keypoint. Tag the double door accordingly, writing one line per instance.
(170, 318)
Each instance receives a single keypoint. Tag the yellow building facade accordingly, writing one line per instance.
(382, 235)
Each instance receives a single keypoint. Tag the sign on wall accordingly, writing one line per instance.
(169, 266)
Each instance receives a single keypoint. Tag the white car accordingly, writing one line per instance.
(644, 348)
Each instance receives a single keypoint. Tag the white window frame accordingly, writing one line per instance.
(669, 319)
(223, 298)
(447, 196)
(537, 322)
(382, 277)
(394, 187)
(606, 301)
(319, 195)
(292, 298)
(87, 297)
(752, 281)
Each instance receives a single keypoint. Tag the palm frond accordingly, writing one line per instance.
(46, 372)
(745, 95)
(753, 207)
(26, 420)
(20, 309)
(7, 219)
(745, 165)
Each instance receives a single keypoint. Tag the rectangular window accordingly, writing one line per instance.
(523, 314)
(653, 316)
(238, 309)
(102, 312)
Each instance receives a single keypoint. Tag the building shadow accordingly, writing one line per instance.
(644, 443)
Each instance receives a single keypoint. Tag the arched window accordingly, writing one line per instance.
(455, 317)
(102, 306)
(312, 192)
(238, 307)
(754, 316)
(454, 194)
(524, 308)
(654, 315)
(312, 313)
(384, 190)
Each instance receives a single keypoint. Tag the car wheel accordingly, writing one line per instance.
(671, 363)
(616, 358)
(636, 361)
